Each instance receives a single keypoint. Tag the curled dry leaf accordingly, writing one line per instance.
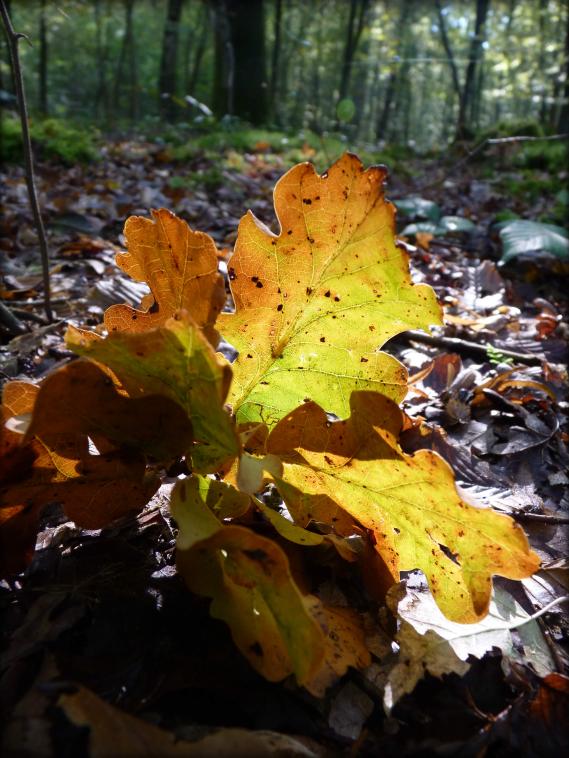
(113, 732)
(410, 503)
(314, 304)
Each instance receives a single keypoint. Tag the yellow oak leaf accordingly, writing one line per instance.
(410, 503)
(314, 303)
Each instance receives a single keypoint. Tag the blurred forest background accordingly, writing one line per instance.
(412, 73)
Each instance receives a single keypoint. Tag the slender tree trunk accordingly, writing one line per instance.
(563, 120)
(274, 93)
(202, 43)
(101, 100)
(474, 57)
(240, 65)
(394, 74)
(127, 58)
(448, 51)
(168, 79)
(358, 9)
(42, 61)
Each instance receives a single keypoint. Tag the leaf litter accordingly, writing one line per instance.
(482, 417)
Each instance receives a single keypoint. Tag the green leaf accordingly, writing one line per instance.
(346, 110)
(175, 360)
(418, 208)
(315, 303)
(521, 238)
(248, 578)
(446, 225)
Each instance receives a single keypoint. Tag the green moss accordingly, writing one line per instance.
(52, 139)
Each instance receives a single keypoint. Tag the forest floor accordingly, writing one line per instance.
(106, 610)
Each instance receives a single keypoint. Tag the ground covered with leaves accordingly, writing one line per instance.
(104, 650)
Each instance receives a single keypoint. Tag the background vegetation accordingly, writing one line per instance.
(412, 73)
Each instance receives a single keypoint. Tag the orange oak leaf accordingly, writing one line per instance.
(180, 267)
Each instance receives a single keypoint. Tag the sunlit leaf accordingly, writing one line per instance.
(409, 502)
(252, 590)
(175, 361)
(180, 267)
(315, 303)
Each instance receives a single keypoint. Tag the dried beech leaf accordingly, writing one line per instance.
(409, 502)
(252, 590)
(180, 267)
(315, 303)
(81, 399)
(175, 361)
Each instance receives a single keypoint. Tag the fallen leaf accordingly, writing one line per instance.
(409, 502)
(176, 361)
(252, 590)
(314, 304)
(81, 399)
(180, 267)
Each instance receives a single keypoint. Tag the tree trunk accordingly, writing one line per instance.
(393, 79)
(240, 81)
(358, 9)
(101, 99)
(448, 51)
(274, 93)
(168, 81)
(42, 62)
(475, 54)
(192, 82)
(128, 55)
(563, 120)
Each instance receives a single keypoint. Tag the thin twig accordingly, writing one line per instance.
(13, 39)
(468, 348)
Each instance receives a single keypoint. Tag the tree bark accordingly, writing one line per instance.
(240, 66)
(168, 80)
(448, 50)
(192, 82)
(394, 74)
(274, 93)
(358, 9)
(474, 56)
(563, 119)
(42, 61)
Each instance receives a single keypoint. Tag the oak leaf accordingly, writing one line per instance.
(81, 399)
(314, 303)
(93, 490)
(180, 267)
(248, 578)
(410, 503)
(176, 361)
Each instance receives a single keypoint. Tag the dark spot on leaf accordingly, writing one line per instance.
(259, 285)
(279, 307)
(327, 294)
(306, 201)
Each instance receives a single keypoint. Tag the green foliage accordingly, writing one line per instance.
(52, 138)
(522, 238)
(545, 156)
(511, 128)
